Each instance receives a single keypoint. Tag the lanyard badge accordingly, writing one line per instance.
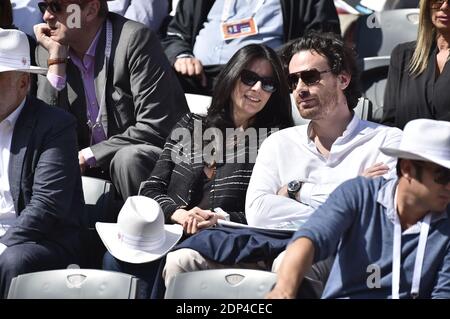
(239, 28)
(98, 132)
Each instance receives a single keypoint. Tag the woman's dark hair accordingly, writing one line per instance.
(275, 114)
(6, 17)
(340, 58)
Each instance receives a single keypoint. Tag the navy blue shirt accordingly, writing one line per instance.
(358, 218)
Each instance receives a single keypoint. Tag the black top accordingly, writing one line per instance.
(299, 16)
(407, 98)
(178, 178)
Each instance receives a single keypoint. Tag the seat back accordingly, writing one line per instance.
(373, 82)
(76, 284)
(101, 206)
(400, 4)
(377, 34)
(198, 104)
(100, 200)
(364, 109)
(221, 284)
(298, 119)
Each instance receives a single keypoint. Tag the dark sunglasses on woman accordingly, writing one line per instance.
(251, 78)
(52, 6)
(309, 77)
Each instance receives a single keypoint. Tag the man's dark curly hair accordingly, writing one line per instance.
(340, 58)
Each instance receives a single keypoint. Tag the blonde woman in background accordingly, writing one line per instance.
(419, 77)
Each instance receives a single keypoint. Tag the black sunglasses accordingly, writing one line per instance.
(309, 77)
(437, 4)
(52, 6)
(441, 174)
(251, 78)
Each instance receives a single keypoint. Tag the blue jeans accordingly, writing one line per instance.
(146, 272)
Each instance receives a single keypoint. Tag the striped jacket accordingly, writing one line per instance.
(181, 165)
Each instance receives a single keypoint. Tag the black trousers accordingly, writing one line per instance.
(315, 279)
(130, 166)
(32, 257)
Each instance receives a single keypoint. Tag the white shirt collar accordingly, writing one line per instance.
(352, 126)
(12, 118)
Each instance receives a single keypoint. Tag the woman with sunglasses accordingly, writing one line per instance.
(418, 80)
(252, 93)
(197, 173)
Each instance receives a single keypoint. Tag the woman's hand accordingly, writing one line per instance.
(194, 219)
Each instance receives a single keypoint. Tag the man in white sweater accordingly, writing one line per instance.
(297, 168)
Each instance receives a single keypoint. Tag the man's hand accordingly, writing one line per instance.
(378, 169)
(55, 49)
(194, 219)
(283, 191)
(82, 162)
(191, 67)
(279, 293)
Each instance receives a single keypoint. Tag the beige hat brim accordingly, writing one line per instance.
(399, 153)
(109, 235)
(32, 69)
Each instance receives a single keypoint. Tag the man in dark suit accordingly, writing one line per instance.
(125, 104)
(41, 200)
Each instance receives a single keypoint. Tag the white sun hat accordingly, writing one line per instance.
(15, 52)
(424, 140)
(139, 236)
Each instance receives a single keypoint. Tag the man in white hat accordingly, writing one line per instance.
(41, 200)
(393, 236)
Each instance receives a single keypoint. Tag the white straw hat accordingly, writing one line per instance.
(15, 52)
(424, 140)
(139, 236)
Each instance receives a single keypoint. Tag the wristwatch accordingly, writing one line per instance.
(293, 187)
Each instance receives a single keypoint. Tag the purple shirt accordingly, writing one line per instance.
(87, 68)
